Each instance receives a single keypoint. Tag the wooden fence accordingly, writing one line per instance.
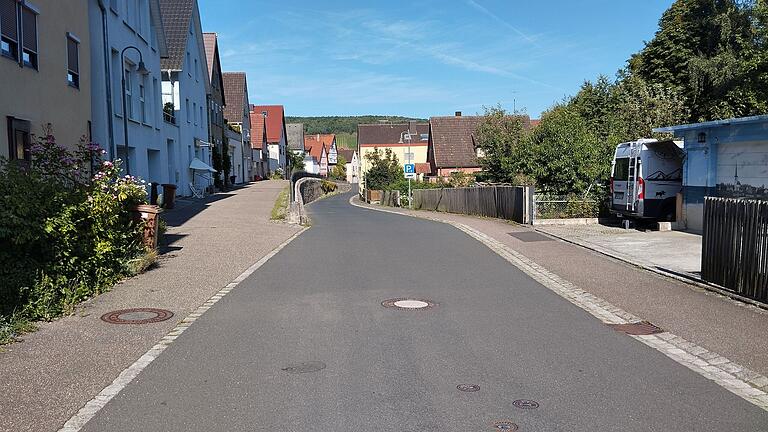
(735, 246)
(504, 202)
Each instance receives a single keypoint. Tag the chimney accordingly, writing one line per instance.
(458, 113)
(318, 137)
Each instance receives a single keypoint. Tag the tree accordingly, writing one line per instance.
(384, 169)
(705, 49)
(339, 171)
(499, 139)
(295, 161)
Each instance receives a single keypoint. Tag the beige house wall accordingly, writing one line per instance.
(419, 155)
(43, 96)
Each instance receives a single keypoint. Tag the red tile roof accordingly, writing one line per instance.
(209, 42)
(315, 149)
(423, 168)
(324, 139)
(275, 120)
(236, 94)
(257, 130)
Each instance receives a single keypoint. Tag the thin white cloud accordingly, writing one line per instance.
(501, 21)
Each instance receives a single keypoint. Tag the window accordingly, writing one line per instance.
(9, 42)
(189, 113)
(621, 169)
(155, 99)
(73, 64)
(18, 42)
(128, 93)
(116, 85)
(29, 37)
(142, 99)
(188, 64)
(194, 111)
(201, 115)
(19, 139)
(197, 74)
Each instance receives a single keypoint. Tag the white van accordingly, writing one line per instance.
(646, 177)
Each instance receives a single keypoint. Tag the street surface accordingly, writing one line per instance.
(304, 344)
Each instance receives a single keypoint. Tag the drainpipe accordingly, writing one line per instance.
(108, 80)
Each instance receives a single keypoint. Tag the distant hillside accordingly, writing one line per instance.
(341, 124)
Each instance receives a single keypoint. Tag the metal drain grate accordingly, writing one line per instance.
(504, 425)
(137, 316)
(530, 237)
(525, 404)
(641, 328)
(305, 367)
(408, 304)
(468, 387)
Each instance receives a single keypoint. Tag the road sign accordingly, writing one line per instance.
(410, 171)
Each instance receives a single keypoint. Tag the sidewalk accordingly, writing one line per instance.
(728, 327)
(51, 374)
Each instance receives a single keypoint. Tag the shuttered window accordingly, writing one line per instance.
(9, 40)
(73, 62)
(29, 33)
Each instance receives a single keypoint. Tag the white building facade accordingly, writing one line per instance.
(132, 28)
(185, 86)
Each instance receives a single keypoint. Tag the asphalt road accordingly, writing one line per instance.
(319, 300)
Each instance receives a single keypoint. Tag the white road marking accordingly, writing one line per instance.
(89, 410)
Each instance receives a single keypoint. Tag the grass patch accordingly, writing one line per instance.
(12, 327)
(143, 263)
(280, 210)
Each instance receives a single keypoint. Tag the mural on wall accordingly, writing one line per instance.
(742, 170)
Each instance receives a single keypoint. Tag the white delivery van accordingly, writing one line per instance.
(646, 177)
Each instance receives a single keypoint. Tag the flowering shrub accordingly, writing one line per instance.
(65, 229)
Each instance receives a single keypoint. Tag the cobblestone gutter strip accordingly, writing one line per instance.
(93, 406)
(733, 377)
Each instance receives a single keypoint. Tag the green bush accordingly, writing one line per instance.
(328, 186)
(65, 230)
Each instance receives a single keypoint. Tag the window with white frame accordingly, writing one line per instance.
(142, 99)
(128, 92)
(73, 61)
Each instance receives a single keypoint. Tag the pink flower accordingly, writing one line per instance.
(108, 164)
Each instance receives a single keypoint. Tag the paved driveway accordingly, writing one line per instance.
(304, 344)
(672, 250)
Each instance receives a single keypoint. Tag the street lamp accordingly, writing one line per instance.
(142, 69)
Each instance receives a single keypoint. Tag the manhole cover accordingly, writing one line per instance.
(530, 237)
(504, 425)
(305, 367)
(525, 404)
(468, 387)
(408, 304)
(137, 316)
(638, 329)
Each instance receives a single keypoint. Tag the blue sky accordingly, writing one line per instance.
(425, 57)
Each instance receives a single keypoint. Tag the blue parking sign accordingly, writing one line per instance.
(410, 168)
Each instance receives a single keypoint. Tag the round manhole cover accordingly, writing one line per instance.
(408, 304)
(305, 367)
(468, 387)
(504, 425)
(137, 316)
(525, 404)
